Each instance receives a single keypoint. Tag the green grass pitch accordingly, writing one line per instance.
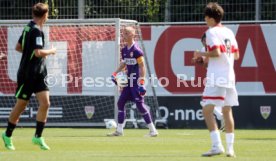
(91, 144)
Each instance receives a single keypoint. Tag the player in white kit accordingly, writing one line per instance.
(217, 109)
(220, 87)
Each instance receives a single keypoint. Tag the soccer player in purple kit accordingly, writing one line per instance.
(133, 60)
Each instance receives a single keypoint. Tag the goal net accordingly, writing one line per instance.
(81, 92)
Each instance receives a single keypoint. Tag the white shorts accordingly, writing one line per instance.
(219, 96)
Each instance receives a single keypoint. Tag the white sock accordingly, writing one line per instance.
(230, 141)
(217, 112)
(151, 127)
(215, 138)
(120, 128)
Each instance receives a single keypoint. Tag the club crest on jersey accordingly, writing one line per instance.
(131, 54)
(265, 111)
(89, 111)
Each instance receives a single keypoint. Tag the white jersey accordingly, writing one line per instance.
(220, 71)
(203, 49)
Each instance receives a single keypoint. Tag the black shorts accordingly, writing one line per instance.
(25, 89)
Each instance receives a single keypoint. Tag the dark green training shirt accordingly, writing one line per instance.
(31, 67)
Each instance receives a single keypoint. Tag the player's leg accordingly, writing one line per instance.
(229, 129)
(41, 118)
(124, 97)
(147, 117)
(211, 123)
(13, 119)
(139, 101)
(231, 100)
(23, 94)
(209, 117)
(42, 95)
(229, 120)
(212, 96)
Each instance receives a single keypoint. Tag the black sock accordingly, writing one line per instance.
(10, 129)
(39, 128)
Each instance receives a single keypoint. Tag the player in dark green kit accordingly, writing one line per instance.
(30, 76)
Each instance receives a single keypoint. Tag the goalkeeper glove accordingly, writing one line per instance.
(113, 78)
(141, 89)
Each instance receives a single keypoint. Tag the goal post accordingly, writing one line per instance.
(81, 92)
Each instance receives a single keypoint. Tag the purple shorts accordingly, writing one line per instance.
(131, 94)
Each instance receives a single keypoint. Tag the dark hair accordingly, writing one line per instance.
(215, 11)
(203, 37)
(40, 9)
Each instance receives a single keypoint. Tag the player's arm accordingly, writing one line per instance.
(236, 49)
(205, 62)
(45, 52)
(37, 41)
(142, 69)
(121, 67)
(237, 55)
(18, 47)
(214, 53)
(213, 43)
